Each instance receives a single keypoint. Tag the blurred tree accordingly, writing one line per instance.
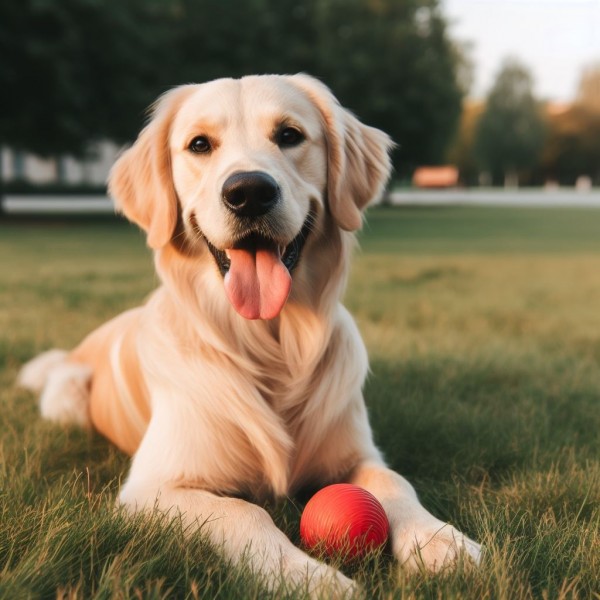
(588, 94)
(462, 150)
(232, 38)
(76, 71)
(510, 134)
(80, 70)
(393, 64)
(573, 145)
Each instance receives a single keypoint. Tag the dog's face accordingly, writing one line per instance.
(246, 167)
(249, 169)
(248, 158)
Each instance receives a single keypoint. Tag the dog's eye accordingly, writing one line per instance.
(200, 145)
(288, 137)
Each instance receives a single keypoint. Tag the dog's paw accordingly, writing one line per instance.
(434, 546)
(321, 581)
(330, 583)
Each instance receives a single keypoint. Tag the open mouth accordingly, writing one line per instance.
(257, 271)
(289, 255)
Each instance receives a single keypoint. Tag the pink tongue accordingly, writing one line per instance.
(257, 283)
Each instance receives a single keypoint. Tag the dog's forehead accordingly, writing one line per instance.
(257, 100)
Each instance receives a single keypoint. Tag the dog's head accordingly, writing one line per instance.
(245, 169)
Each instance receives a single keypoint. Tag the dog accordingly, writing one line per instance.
(241, 377)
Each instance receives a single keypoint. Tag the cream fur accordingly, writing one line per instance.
(211, 404)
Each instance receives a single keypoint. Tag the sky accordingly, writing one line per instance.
(555, 39)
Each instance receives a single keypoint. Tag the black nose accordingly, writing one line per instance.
(250, 193)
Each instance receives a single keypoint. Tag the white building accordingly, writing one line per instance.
(93, 170)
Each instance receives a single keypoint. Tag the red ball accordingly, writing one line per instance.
(344, 520)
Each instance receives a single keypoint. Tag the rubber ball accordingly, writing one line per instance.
(344, 521)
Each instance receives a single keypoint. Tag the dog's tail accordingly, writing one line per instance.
(64, 387)
(34, 374)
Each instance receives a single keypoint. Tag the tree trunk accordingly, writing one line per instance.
(1, 181)
(60, 169)
(511, 178)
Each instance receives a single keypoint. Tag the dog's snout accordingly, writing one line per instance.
(250, 193)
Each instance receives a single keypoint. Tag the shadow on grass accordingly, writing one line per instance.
(438, 418)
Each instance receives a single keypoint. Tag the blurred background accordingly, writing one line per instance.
(474, 92)
(481, 319)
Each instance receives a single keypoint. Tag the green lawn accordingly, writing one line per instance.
(483, 326)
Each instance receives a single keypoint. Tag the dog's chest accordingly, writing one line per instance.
(260, 415)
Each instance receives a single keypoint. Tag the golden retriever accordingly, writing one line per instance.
(241, 377)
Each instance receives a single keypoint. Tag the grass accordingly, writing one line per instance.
(483, 326)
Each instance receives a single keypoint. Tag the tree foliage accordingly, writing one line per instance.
(588, 94)
(75, 71)
(80, 70)
(392, 63)
(462, 150)
(510, 134)
(573, 145)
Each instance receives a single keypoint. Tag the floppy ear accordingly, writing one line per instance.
(357, 155)
(140, 181)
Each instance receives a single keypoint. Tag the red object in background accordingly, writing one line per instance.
(436, 177)
(344, 520)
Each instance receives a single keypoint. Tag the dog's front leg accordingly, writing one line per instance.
(243, 532)
(418, 539)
